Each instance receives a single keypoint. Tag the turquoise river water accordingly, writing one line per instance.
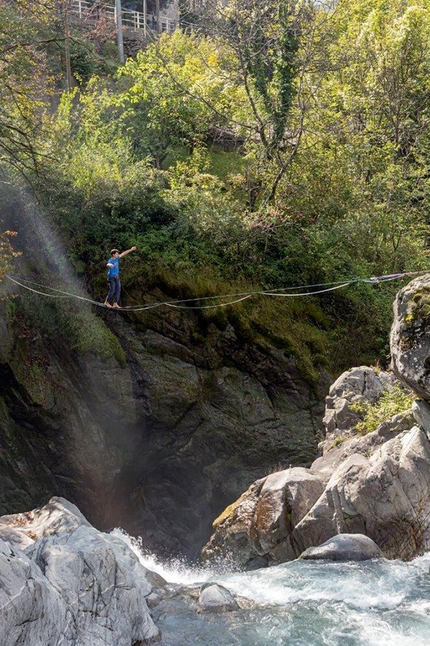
(302, 603)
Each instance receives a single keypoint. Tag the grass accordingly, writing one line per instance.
(391, 402)
(72, 324)
(298, 327)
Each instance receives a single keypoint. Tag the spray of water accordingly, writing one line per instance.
(176, 570)
(302, 603)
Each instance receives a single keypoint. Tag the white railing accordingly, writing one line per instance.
(93, 11)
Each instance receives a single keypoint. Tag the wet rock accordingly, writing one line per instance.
(153, 599)
(344, 547)
(216, 598)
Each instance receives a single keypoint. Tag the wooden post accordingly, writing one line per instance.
(157, 15)
(69, 79)
(119, 38)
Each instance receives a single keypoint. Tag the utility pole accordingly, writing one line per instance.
(118, 21)
(145, 13)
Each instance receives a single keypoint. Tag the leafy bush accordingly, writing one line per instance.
(391, 402)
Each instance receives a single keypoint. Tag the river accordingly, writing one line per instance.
(301, 603)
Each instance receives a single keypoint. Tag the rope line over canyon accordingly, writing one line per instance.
(285, 292)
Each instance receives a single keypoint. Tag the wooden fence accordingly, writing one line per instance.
(134, 20)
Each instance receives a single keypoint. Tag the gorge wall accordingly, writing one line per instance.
(159, 443)
(155, 426)
(371, 481)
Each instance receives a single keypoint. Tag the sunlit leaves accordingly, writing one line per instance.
(7, 252)
(177, 91)
(25, 84)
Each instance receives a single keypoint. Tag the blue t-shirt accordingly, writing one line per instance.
(113, 271)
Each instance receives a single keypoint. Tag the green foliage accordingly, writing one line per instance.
(7, 252)
(174, 93)
(70, 324)
(324, 176)
(268, 35)
(24, 86)
(391, 402)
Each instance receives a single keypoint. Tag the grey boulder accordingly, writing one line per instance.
(72, 585)
(410, 336)
(215, 598)
(344, 547)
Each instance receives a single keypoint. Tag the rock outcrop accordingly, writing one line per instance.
(353, 387)
(344, 547)
(140, 424)
(64, 582)
(410, 336)
(376, 485)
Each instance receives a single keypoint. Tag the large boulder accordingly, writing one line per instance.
(344, 547)
(376, 484)
(72, 584)
(257, 529)
(410, 336)
(355, 386)
(385, 495)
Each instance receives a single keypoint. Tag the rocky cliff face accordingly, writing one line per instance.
(376, 484)
(153, 425)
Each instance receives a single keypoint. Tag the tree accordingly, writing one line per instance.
(174, 93)
(361, 175)
(272, 47)
(24, 87)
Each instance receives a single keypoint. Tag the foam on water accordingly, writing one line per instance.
(173, 571)
(304, 603)
(316, 581)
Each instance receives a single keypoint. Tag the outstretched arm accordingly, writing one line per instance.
(124, 253)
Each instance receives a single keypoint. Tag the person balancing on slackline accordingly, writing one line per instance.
(114, 282)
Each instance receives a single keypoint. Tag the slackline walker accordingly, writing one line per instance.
(286, 292)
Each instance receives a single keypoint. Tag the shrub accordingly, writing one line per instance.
(391, 402)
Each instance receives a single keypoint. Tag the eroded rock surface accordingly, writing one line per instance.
(376, 485)
(410, 336)
(344, 547)
(69, 584)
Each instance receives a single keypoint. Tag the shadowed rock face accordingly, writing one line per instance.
(158, 443)
(376, 485)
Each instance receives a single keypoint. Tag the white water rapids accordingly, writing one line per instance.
(302, 603)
